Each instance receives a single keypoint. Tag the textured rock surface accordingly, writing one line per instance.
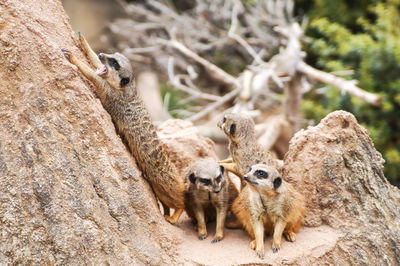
(70, 192)
(184, 143)
(337, 168)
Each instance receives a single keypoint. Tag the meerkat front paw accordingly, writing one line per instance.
(202, 236)
(67, 53)
(290, 236)
(171, 219)
(217, 239)
(275, 247)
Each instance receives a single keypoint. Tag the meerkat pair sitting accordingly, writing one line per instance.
(268, 204)
(243, 146)
(209, 195)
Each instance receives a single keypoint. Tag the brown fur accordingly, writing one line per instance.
(243, 146)
(207, 202)
(116, 90)
(262, 207)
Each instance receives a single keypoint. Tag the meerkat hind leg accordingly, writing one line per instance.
(175, 217)
(165, 209)
(236, 224)
(290, 235)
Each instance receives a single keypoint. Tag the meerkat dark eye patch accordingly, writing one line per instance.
(219, 178)
(114, 63)
(261, 174)
(222, 169)
(206, 182)
(224, 120)
(232, 129)
(192, 178)
(277, 182)
(124, 82)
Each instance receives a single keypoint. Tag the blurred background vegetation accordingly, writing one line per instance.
(360, 36)
(363, 36)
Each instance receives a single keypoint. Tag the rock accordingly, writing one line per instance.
(70, 192)
(184, 143)
(337, 168)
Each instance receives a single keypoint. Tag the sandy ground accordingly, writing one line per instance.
(234, 249)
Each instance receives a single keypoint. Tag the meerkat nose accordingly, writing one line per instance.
(101, 56)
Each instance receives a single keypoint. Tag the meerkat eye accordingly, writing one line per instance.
(232, 129)
(205, 181)
(219, 178)
(114, 63)
(224, 119)
(124, 82)
(261, 174)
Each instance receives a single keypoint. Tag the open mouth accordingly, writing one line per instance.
(101, 71)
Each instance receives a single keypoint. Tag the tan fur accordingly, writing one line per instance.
(134, 125)
(243, 146)
(207, 202)
(261, 207)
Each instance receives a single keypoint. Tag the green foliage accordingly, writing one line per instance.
(174, 100)
(363, 36)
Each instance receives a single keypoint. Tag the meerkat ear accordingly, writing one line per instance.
(124, 82)
(192, 178)
(232, 129)
(222, 169)
(277, 182)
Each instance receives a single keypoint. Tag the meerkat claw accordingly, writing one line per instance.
(66, 52)
(215, 240)
(260, 255)
(202, 237)
(275, 249)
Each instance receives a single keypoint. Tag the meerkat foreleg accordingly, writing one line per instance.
(221, 217)
(84, 68)
(92, 56)
(227, 160)
(232, 167)
(258, 243)
(201, 223)
(277, 238)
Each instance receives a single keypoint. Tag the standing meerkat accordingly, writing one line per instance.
(209, 194)
(268, 204)
(243, 146)
(115, 86)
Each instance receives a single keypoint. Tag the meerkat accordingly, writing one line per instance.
(209, 194)
(243, 146)
(268, 204)
(115, 86)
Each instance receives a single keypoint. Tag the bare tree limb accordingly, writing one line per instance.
(227, 97)
(175, 80)
(345, 85)
(215, 71)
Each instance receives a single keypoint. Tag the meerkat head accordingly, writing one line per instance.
(117, 70)
(207, 175)
(237, 126)
(264, 177)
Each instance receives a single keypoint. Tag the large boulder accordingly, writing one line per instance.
(337, 168)
(70, 192)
